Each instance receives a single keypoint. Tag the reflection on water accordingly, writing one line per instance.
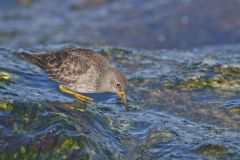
(183, 105)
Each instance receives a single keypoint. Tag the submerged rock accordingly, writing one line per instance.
(224, 80)
(212, 150)
(157, 136)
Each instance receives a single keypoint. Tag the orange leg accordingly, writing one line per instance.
(80, 97)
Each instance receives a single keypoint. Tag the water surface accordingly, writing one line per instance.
(183, 105)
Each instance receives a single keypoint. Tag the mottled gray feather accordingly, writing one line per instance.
(66, 65)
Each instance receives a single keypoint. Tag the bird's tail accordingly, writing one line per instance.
(25, 55)
(33, 58)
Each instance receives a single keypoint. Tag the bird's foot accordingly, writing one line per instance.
(84, 98)
(80, 97)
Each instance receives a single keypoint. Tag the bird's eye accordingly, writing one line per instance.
(118, 85)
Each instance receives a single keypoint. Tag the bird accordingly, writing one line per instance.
(79, 71)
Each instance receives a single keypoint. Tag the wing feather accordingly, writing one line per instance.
(65, 66)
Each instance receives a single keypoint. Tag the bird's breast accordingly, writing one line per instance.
(87, 82)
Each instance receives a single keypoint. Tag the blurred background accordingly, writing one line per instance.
(155, 24)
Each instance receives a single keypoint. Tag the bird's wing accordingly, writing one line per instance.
(65, 66)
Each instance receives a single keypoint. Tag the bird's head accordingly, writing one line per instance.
(115, 81)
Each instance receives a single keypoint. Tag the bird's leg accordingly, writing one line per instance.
(77, 95)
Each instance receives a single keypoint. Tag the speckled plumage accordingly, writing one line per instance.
(75, 68)
(80, 71)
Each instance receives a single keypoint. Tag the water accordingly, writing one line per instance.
(183, 105)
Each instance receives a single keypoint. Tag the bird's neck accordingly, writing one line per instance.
(105, 81)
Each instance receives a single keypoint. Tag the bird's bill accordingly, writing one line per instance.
(122, 95)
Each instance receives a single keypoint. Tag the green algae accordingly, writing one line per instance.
(162, 135)
(212, 150)
(220, 78)
(6, 106)
(47, 149)
(5, 77)
(195, 82)
(220, 84)
(67, 146)
(23, 152)
(26, 118)
(230, 71)
(235, 110)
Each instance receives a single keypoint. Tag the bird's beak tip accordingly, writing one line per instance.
(122, 95)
